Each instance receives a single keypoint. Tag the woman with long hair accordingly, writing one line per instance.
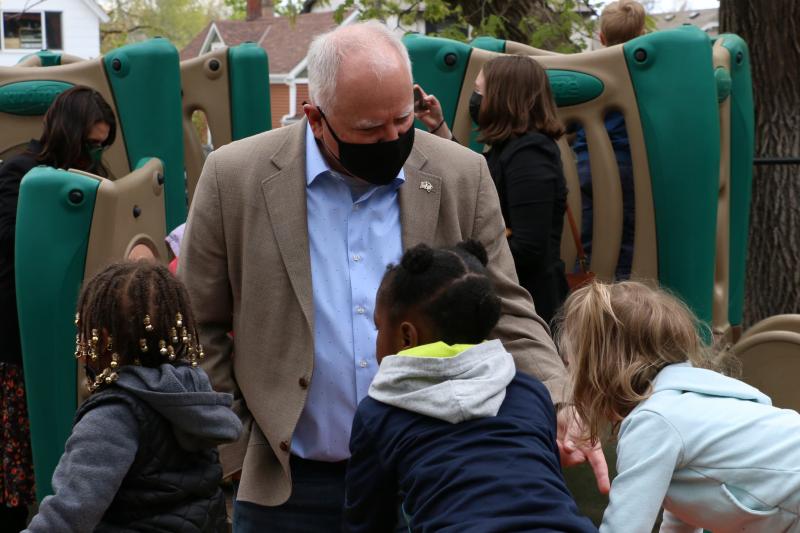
(78, 127)
(514, 110)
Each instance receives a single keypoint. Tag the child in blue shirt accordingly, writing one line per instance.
(619, 23)
(450, 430)
(710, 449)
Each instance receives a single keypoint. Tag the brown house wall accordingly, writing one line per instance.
(279, 101)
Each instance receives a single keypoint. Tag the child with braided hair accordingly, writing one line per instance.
(450, 429)
(142, 455)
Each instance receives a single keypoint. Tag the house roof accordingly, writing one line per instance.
(705, 19)
(97, 10)
(286, 44)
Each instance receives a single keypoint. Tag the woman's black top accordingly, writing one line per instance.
(533, 194)
(11, 172)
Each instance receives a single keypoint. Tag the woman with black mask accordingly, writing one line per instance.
(78, 127)
(513, 107)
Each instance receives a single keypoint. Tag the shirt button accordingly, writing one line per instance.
(356, 207)
(284, 446)
(356, 257)
(360, 310)
(303, 382)
(362, 364)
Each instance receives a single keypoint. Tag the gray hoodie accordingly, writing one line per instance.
(104, 442)
(469, 385)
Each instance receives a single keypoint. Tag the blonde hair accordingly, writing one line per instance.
(616, 338)
(622, 21)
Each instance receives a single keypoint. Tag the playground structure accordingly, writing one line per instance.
(691, 144)
(81, 222)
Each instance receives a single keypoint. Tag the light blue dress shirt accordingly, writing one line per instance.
(351, 241)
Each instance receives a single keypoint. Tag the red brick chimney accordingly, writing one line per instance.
(253, 9)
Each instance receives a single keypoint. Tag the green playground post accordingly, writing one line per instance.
(52, 236)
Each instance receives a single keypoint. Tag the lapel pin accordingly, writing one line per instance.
(426, 186)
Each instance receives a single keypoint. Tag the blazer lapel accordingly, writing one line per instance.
(285, 197)
(419, 202)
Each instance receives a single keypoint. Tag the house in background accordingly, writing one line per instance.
(69, 26)
(705, 19)
(286, 45)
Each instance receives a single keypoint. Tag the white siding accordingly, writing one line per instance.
(80, 28)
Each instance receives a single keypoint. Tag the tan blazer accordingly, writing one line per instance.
(245, 260)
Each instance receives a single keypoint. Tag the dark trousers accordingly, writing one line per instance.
(315, 505)
(13, 519)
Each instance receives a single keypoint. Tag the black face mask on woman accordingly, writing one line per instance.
(378, 163)
(475, 106)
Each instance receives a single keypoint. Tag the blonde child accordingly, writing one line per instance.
(711, 449)
(142, 455)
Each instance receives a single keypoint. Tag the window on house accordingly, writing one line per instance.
(52, 28)
(32, 31)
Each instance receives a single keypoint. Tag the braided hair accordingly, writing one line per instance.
(144, 313)
(449, 287)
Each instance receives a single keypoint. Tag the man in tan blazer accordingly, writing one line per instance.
(267, 255)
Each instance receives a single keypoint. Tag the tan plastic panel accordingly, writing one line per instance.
(609, 66)
(789, 322)
(513, 47)
(17, 130)
(34, 60)
(719, 312)
(207, 90)
(771, 363)
(116, 231)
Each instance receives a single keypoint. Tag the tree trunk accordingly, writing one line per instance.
(772, 31)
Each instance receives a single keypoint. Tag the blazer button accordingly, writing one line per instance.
(303, 383)
(284, 446)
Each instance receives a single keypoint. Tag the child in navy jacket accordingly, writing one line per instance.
(450, 431)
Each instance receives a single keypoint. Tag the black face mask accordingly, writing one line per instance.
(378, 163)
(475, 106)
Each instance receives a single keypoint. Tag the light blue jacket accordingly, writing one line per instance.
(713, 451)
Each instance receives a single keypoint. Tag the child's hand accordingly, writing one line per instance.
(574, 450)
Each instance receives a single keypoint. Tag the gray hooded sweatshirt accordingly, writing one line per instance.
(469, 385)
(104, 442)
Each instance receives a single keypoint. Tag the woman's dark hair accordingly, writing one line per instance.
(449, 287)
(67, 124)
(117, 300)
(517, 99)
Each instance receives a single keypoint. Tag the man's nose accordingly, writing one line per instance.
(391, 132)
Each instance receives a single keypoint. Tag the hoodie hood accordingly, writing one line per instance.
(200, 417)
(469, 385)
(685, 378)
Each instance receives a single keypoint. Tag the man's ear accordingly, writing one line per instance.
(603, 39)
(409, 335)
(314, 118)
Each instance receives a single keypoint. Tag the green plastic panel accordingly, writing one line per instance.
(572, 88)
(53, 222)
(673, 78)
(47, 58)
(30, 98)
(723, 79)
(146, 82)
(439, 67)
(492, 44)
(249, 90)
(742, 150)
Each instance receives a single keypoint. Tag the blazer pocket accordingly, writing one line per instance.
(747, 503)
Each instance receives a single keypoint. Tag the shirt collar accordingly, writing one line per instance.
(316, 164)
